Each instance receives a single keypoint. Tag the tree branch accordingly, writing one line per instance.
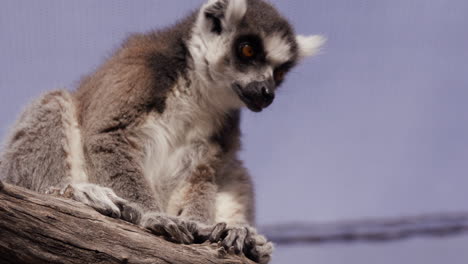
(436, 225)
(37, 228)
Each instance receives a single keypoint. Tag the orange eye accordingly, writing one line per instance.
(279, 75)
(247, 51)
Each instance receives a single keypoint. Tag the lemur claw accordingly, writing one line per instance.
(235, 239)
(102, 199)
(130, 212)
(217, 232)
(171, 228)
(243, 239)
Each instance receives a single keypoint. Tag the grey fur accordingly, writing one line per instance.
(112, 107)
(35, 150)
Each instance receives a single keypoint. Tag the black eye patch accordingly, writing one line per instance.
(249, 49)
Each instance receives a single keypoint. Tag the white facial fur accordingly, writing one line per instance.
(277, 49)
(209, 50)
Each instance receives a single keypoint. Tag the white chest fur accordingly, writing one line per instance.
(171, 140)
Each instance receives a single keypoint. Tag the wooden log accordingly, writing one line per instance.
(36, 228)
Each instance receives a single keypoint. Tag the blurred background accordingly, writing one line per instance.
(374, 126)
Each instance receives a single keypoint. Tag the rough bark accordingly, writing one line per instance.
(36, 228)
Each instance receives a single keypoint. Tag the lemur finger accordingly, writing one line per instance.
(249, 243)
(183, 228)
(130, 212)
(177, 230)
(105, 206)
(159, 230)
(155, 224)
(217, 232)
(266, 249)
(264, 252)
(200, 232)
(260, 253)
(249, 247)
(108, 211)
(96, 197)
(239, 244)
(235, 239)
(112, 196)
(186, 234)
(100, 203)
(259, 239)
(180, 236)
(229, 240)
(250, 240)
(252, 254)
(191, 226)
(172, 229)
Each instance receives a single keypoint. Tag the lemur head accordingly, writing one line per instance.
(243, 50)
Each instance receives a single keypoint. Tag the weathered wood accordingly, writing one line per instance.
(36, 228)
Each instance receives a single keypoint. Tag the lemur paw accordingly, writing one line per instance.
(102, 199)
(231, 238)
(244, 239)
(171, 228)
(257, 248)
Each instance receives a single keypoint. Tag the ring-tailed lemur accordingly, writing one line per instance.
(152, 136)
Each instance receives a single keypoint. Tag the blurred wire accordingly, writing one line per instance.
(435, 225)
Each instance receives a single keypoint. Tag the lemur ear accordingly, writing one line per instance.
(221, 15)
(309, 45)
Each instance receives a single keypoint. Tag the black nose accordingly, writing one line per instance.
(257, 95)
(268, 95)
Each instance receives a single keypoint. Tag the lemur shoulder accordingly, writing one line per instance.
(152, 136)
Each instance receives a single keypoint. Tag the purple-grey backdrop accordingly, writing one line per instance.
(376, 125)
